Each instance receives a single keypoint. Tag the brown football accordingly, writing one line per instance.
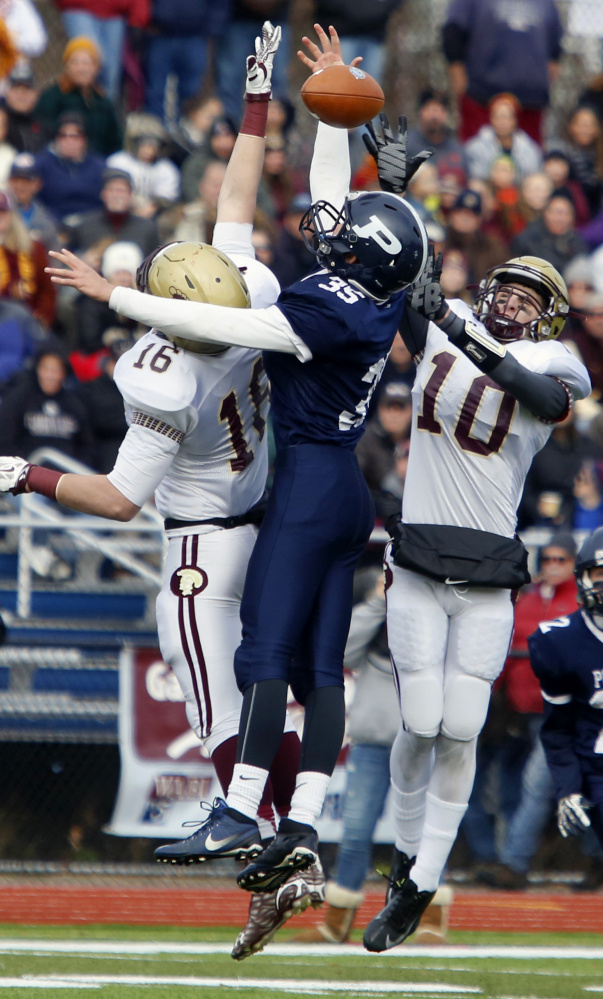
(343, 96)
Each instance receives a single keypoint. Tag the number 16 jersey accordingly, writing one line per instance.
(473, 443)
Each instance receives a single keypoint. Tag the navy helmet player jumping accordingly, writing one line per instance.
(325, 343)
(567, 656)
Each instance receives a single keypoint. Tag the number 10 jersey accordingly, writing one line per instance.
(473, 443)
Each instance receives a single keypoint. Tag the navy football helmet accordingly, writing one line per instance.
(590, 593)
(382, 231)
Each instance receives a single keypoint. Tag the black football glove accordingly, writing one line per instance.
(425, 295)
(389, 152)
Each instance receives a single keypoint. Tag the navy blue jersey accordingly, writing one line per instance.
(350, 336)
(567, 657)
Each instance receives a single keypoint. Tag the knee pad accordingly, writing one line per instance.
(421, 702)
(466, 700)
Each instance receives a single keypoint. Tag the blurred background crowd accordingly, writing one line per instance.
(117, 119)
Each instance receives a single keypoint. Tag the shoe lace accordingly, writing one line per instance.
(205, 805)
(392, 882)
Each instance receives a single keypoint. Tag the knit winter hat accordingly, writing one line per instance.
(82, 44)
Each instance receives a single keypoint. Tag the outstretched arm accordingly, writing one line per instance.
(238, 194)
(93, 494)
(330, 170)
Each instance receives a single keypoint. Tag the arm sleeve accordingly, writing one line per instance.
(265, 329)
(143, 459)
(413, 330)
(543, 395)
(330, 170)
(557, 735)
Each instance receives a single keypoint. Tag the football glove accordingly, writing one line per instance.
(13, 475)
(571, 815)
(258, 84)
(425, 295)
(395, 169)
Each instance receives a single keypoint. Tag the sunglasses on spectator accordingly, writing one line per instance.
(70, 135)
(556, 558)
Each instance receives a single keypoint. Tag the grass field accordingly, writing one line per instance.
(116, 962)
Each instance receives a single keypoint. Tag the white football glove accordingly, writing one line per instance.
(571, 815)
(259, 66)
(13, 475)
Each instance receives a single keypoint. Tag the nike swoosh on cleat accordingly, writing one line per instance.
(212, 844)
(454, 582)
(389, 942)
(245, 778)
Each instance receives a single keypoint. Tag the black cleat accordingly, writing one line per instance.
(399, 919)
(400, 869)
(226, 833)
(289, 852)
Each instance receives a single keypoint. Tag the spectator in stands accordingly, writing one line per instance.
(552, 595)
(76, 89)
(534, 193)
(376, 450)
(502, 135)
(195, 219)
(7, 152)
(41, 411)
(25, 28)
(71, 176)
(22, 263)
(155, 179)
(434, 131)
(221, 140)
(292, 259)
(492, 47)
(557, 166)
(585, 336)
(548, 497)
(192, 130)
(177, 46)
(105, 22)
(25, 133)
(115, 219)
(105, 405)
(553, 236)
(119, 264)
(583, 144)
(20, 338)
(507, 214)
(465, 233)
(232, 45)
(399, 367)
(455, 276)
(278, 185)
(23, 184)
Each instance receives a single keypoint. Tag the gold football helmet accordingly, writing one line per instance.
(197, 272)
(533, 274)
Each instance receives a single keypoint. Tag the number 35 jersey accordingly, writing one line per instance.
(473, 443)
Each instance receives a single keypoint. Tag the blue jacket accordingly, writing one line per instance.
(69, 188)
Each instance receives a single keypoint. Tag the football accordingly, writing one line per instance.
(343, 96)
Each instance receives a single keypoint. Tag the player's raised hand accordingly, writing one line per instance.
(75, 273)
(425, 295)
(13, 475)
(389, 152)
(258, 83)
(328, 55)
(571, 815)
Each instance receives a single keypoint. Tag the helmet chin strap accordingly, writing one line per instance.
(597, 620)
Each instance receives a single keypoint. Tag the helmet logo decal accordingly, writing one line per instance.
(377, 230)
(188, 581)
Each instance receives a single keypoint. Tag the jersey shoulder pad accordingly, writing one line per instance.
(156, 376)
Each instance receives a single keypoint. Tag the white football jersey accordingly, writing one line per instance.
(472, 443)
(197, 422)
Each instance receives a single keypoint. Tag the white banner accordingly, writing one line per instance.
(164, 774)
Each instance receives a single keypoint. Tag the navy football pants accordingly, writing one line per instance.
(297, 601)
